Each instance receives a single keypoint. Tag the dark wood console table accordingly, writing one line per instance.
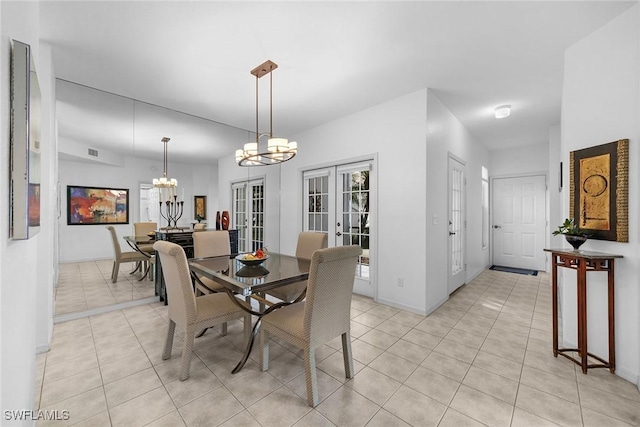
(583, 262)
(183, 238)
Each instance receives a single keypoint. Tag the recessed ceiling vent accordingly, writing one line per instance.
(93, 152)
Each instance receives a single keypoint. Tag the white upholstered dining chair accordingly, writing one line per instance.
(308, 243)
(188, 312)
(322, 316)
(209, 244)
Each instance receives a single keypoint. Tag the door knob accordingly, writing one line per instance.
(497, 226)
(338, 234)
(451, 233)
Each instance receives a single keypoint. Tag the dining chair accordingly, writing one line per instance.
(189, 312)
(308, 243)
(322, 316)
(209, 244)
(143, 229)
(122, 257)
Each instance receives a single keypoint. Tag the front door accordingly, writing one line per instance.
(519, 222)
(457, 224)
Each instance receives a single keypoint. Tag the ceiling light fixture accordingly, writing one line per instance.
(165, 182)
(503, 111)
(278, 150)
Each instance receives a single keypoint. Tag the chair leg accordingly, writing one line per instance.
(311, 377)
(224, 329)
(168, 344)
(347, 355)
(187, 352)
(247, 327)
(264, 349)
(114, 272)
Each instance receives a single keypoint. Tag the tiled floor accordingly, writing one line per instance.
(86, 285)
(483, 358)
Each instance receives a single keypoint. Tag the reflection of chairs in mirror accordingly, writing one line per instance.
(308, 243)
(121, 257)
(188, 312)
(145, 229)
(321, 317)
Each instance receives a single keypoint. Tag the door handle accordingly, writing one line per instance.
(338, 234)
(497, 226)
(451, 233)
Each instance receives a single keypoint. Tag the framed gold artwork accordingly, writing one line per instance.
(200, 208)
(598, 192)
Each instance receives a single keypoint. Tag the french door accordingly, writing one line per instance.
(457, 224)
(338, 201)
(248, 214)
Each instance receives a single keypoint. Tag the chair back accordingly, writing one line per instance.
(329, 290)
(211, 243)
(309, 242)
(144, 228)
(199, 226)
(175, 269)
(117, 250)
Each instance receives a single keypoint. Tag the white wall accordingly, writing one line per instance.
(447, 135)
(601, 105)
(520, 160)
(89, 242)
(22, 327)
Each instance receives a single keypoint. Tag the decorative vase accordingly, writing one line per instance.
(218, 220)
(225, 220)
(575, 241)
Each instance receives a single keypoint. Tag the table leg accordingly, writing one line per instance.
(554, 302)
(612, 329)
(582, 313)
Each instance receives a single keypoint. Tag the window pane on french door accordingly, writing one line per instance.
(317, 207)
(248, 214)
(240, 214)
(356, 215)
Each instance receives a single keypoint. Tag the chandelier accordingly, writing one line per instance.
(277, 150)
(165, 182)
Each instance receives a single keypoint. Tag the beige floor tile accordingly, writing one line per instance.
(81, 406)
(373, 385)
(594, 419)
(456, 350)
(409, 351)
(602, 379)
(498, 365)
(334, 366)
(99, 420)
(69, 367)
(559, 366)
(415, 408)
(326, 385)
(131, 386)
(491, 384)
(143, 409)
(561, 387)
(549, 407)
(453, 418)
(172, 419)
(432, 384)
(522, 418)
(385, 418)
(118, 369)
(282, 407)
(433, 327)
(169, 370)
(249, 392)
(213, 408)
(407, 319)
(243, 419)
(423, 339)
(612, 405)
(199, 383)
(504, 349)
(347, 407)
(379, 339)
(56, 391)
(364, 352)
(482, 407)
(289, 366)
(465, 338)
(445, 365)
(393, 366)
(369, 320)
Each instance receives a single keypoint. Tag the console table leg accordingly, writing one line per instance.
(612, 329)
(582, 314)
(554, 302)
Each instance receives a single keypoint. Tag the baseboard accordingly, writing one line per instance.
(412, 309)
(621, 371)
(106, 309)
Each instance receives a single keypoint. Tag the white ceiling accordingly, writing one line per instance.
(334, 58)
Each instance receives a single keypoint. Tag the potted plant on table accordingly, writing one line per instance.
(572, 233)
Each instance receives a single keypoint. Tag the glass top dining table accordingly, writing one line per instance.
(277, 270)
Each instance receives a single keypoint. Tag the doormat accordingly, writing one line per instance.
(514, 270)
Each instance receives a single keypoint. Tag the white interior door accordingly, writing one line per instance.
(338, 201)
(519, 222)
(457, 225)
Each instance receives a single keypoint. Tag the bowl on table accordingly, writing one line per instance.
(251, 261)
